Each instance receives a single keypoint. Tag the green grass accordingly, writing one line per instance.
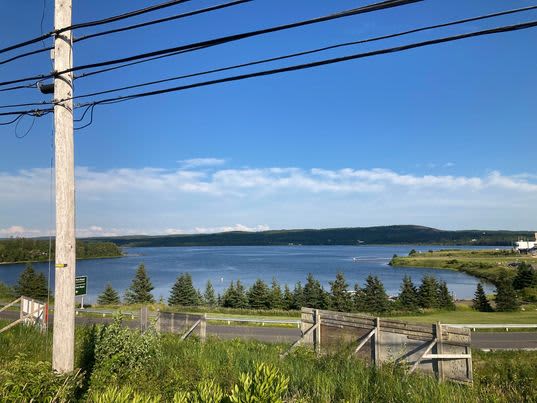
(486, 264)
(182, 365)
(465, 314)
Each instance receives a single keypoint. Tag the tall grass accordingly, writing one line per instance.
(181, 366)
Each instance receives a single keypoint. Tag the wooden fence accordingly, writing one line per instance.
(181, 323)
(435, 348)
(31, 312)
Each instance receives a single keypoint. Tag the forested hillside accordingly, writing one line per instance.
(395, 234)
(36, 250)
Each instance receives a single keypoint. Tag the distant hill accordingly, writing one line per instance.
(393, 234)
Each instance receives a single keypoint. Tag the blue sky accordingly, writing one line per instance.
(443, 136)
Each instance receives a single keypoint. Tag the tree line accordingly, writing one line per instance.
(15, 250)
(510, 291)
(371, 297)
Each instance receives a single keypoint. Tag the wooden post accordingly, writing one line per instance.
(317, 337)
(203, 328)
(171, 324)
(376, 346)
(143, 318)
(158, 321)
(63, 345)
(439, 351)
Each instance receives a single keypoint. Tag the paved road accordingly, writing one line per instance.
(483, 340)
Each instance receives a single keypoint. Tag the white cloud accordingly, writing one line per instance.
(201, 162)
(154, 201)
(213, 230)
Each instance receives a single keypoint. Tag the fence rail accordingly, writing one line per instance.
(506, 326)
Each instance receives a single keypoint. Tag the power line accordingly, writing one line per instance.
(130, 27)
(94, 23)
(236, 37)
(217, 41)
(396, 49)
(161, 20)
(307, 52)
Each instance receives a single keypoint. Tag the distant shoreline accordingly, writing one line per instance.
(46, 261)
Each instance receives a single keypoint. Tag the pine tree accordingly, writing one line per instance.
(109, 296)
(259, 295)
(444, 298)
(183, 292)
(32, 284)
(340, 299)
(375, 297)
(235, 296)
(427, 293)
(298, 296)
(506, 298)
(288, 300)
(313, 293)
(208, 296)
(525, 277)
(408, 297)
(140, 289)
(358, 299)
(276, 298)
(480, 302)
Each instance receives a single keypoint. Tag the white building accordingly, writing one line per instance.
(526, 246)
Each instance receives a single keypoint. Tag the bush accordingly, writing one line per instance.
(265, 385)
(122, 353)
(26, 381)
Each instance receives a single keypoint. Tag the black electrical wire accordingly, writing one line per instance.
(217, 41)
(161, 20)
(130, 27)
(396, 49)
(303, 53)
(94, 23)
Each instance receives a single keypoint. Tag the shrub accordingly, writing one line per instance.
(121, 353)
(265, 385)
(27, 381)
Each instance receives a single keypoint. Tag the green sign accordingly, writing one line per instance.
(81, 285)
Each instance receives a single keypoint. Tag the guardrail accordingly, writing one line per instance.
(255, 320)
(505, 326)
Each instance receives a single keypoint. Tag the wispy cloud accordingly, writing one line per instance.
(196, 200)
(201, 162)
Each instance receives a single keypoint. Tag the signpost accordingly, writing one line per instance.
(81, 288)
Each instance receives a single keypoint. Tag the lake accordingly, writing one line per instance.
(288, 264)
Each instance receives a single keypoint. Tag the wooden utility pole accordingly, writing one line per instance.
(63, 348)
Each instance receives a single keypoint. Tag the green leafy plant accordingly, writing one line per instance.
(27, 381)
(265, 385)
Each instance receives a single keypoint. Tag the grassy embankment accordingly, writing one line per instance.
(485, 264)
(189, 365)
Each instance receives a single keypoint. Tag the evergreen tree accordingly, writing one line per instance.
(444, 298)
(288, 300)
(276, 298)
(259, 295)
(313, 293)
(183, 292)
(480, 302)
(506, 298)
(340, 299)
(427, 293)
(109, 296)
(526, 276)
(140, 289)
(298, 296)
(208, 296)
(358, 299)
(408, 297)
(375, 297)
(32, 284)
(235, 296)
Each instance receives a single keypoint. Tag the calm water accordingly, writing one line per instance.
(288, 264)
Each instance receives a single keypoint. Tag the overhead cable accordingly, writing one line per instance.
(217, 41)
